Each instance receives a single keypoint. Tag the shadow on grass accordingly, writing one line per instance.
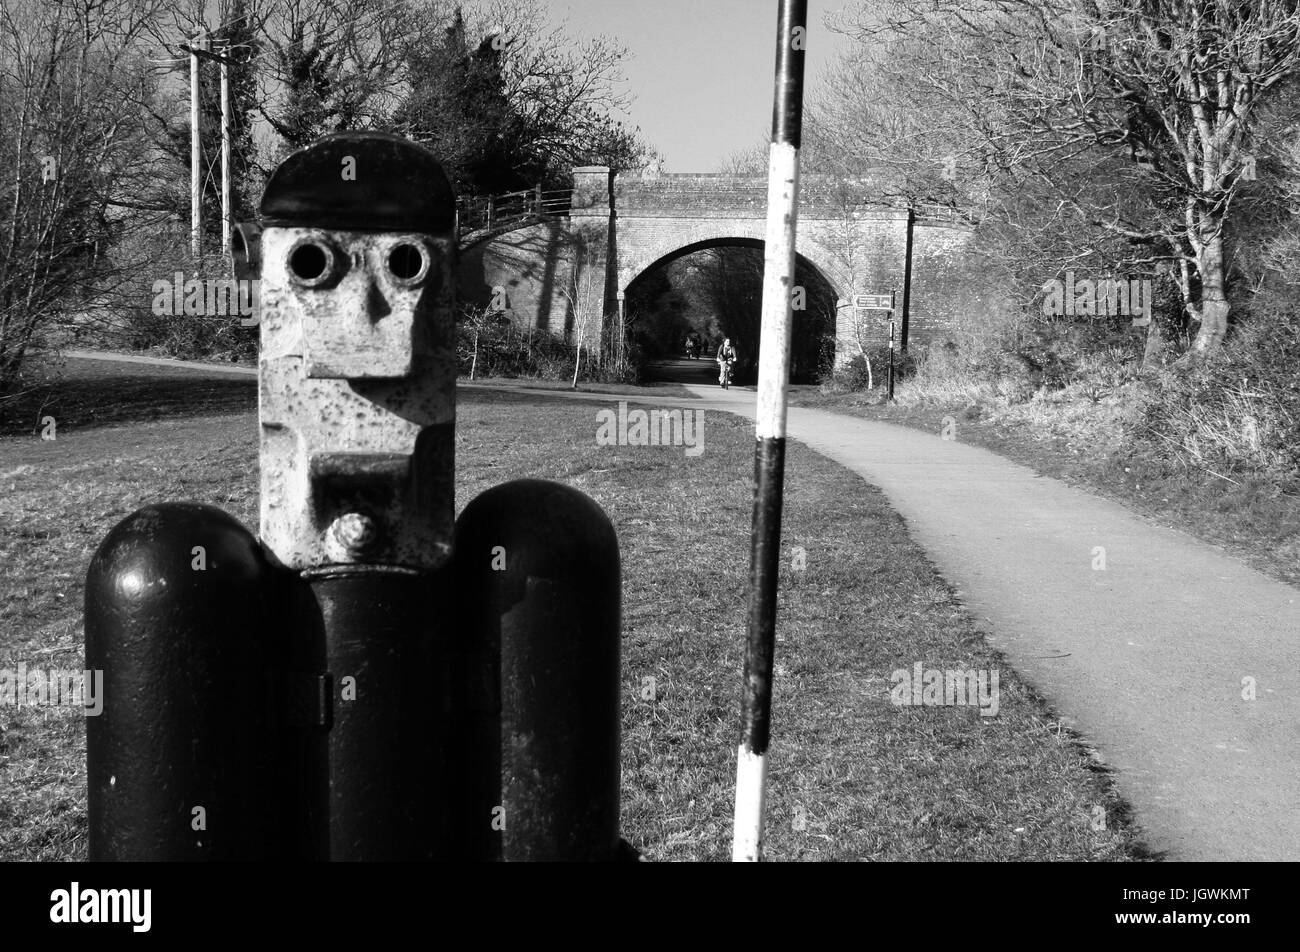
(86, 393)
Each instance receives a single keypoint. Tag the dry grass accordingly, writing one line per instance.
(853, 776)
(1246, 428)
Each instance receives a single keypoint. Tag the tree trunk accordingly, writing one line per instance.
(1214, 307)
(862, 351)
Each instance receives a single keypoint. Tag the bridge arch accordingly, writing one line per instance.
(646, 257)
(736, 313)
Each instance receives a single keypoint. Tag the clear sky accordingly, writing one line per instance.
(701, 71)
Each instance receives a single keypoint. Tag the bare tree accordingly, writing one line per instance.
(330, 65)
(1158, 98)
(584, 295)
(567, 87)
(72, 155)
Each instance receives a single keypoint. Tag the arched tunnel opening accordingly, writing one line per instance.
(714, 290)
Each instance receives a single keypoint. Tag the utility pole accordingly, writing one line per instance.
(225, 153)
(196, 153)
(199, 49)
(892, 345)
(620, 340)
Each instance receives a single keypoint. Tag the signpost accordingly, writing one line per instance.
(874, 302)
(881, 302)
(891, 360)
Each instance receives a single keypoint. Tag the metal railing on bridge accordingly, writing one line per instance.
(479, 212)
(475, 212)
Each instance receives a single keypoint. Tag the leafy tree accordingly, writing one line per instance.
(509, 99)
(238, 39)
(457, 106)
(659, 315)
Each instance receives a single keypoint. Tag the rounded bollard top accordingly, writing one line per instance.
(360, 181)
(553, 529)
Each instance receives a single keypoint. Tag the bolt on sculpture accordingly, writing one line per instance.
(370, 678)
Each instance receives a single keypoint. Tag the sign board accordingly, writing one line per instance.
(875, 302)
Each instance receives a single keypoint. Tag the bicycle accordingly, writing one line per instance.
(724, 373)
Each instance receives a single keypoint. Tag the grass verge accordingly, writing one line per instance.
(853, 776)
(663, 388)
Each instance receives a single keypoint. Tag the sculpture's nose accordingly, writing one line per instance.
(361, 287)
(373, 301)
(360, 330)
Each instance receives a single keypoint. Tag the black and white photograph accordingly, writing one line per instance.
(623, 432)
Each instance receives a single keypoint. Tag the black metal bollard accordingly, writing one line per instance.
(178, 761)
(538, 582)
(380, 638)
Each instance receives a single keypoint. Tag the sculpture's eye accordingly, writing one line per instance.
(408, 262)
(312, 263)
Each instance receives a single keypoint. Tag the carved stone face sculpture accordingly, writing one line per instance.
(357, 371)
(358, 296)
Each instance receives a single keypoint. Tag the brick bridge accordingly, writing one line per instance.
(569, 270)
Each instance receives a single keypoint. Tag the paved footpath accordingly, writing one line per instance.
(1145, 658)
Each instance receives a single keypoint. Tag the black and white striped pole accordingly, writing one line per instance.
(769, 447)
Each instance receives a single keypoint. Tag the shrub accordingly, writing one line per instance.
(1238, 412)
(855, 375)
(943, 374)
(505, 350)
(130, 320)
